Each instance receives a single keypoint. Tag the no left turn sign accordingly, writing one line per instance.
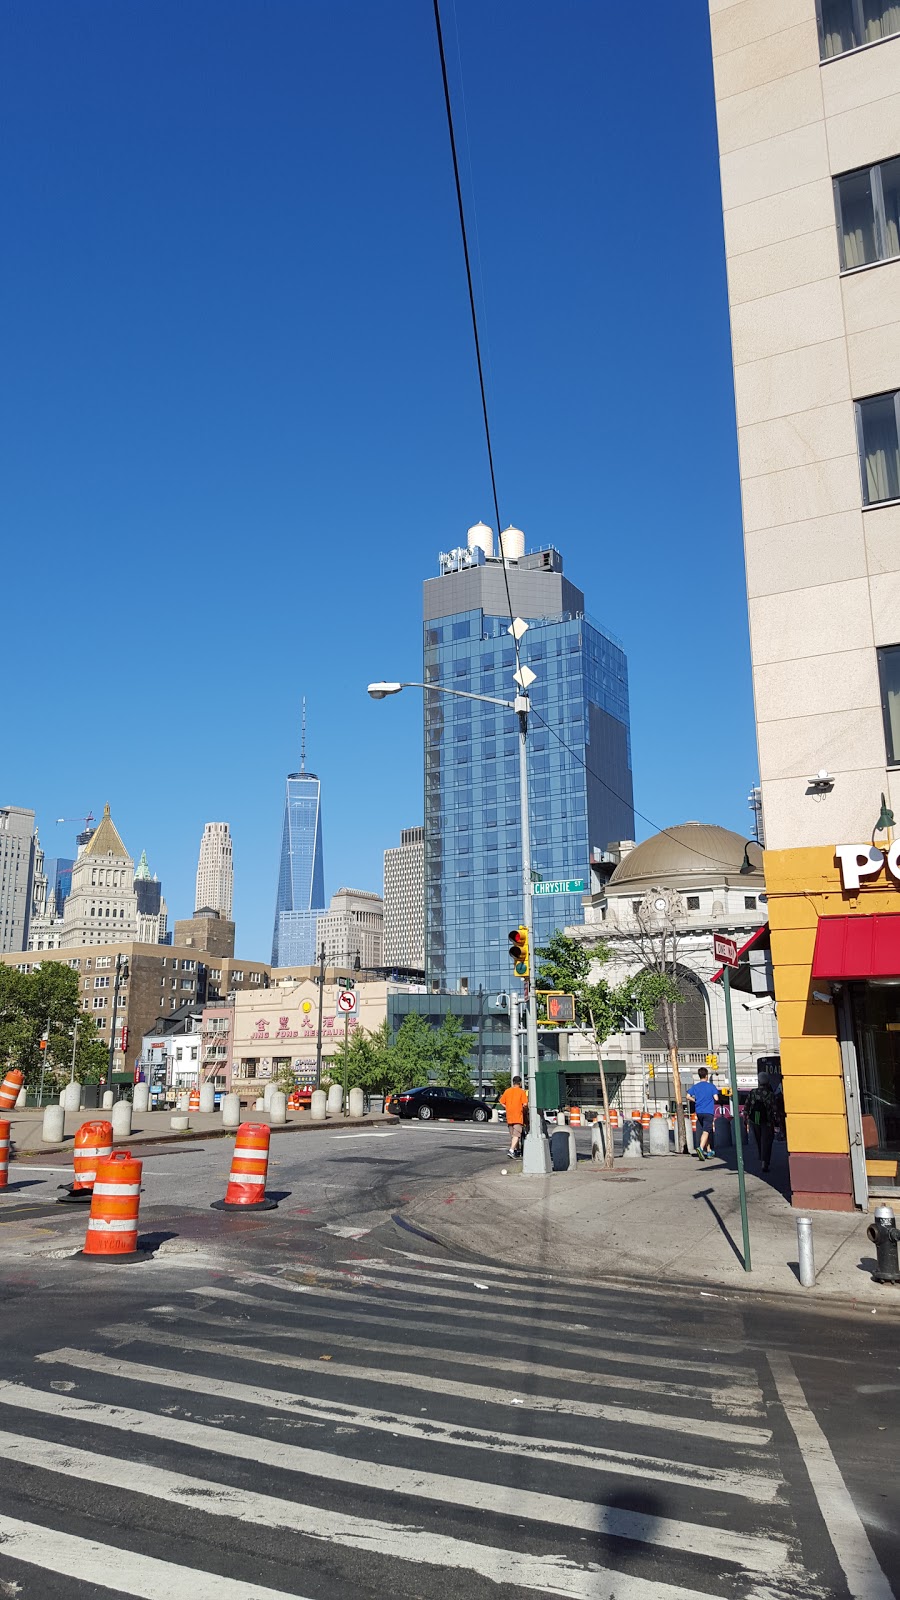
(346, 1002)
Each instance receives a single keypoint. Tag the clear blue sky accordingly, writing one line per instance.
(240, 415)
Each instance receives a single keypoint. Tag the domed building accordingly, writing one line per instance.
(684, 884)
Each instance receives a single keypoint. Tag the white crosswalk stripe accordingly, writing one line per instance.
(575, 1469)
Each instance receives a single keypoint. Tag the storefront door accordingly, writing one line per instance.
(876, 1017)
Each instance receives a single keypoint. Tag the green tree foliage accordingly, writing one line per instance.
(452, 1048)
(33, 1002)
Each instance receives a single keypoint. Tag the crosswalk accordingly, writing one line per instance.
(400, 1427)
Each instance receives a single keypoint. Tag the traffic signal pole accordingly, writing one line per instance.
(535, 1153)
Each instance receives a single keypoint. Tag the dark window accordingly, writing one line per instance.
(693, 902)
(868, 214)
(889, 675)
(878, 432)
(749, 902)
(847, 24)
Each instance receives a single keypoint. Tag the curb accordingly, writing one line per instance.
(214, 1133)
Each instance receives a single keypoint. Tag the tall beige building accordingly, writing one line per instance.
(352, 929)
(102, 905)
(404, 900)
(808, 108)
(17, 862)
(215, 871)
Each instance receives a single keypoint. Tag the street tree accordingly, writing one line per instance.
(453, 1055)
(601, 1008)
(43, 1006)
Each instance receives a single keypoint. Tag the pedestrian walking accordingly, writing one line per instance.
(514, 1101)
(761, 1113)
(702, 1097)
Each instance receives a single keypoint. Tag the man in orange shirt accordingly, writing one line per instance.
(514, 1100)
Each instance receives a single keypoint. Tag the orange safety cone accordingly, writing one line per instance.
(249, 1165)
(574, 1116)
(4, 1154)
(9, 1089)
(93, 1143)
(112, 1228)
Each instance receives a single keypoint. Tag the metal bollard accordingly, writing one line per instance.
(884, 1234)
(805, 1252)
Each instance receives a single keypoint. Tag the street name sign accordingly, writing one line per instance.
(725, 950)
(559, 886)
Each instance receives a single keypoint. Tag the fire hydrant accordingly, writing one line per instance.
(884, 1234)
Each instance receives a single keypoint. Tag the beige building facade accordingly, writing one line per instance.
(808, 109)
(279, 1028)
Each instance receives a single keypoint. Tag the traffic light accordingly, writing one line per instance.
(518, 951)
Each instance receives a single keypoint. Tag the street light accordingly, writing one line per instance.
(121, 975)
(535, 1154)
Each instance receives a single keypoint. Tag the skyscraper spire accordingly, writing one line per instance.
(303, 737)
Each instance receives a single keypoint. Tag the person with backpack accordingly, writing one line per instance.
(761, 1115)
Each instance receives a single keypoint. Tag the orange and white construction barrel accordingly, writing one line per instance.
(9, 1088)
(112, 1230)
(194, 1100)
(93, 1143)
(247, 1180)
(613, 1118)
(574, 1116)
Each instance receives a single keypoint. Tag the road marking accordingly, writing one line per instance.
(740, 1400)
(733, 1432)
(865, 1578)
(419, 1324)
(106, 1566)
(386, 1133)
(399, 1541)
(342, 1232)
(752, 1551)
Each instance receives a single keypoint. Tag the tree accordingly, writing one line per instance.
(368, 1061)
(653, 946)
(39, 1003)
(600, 1008)
(452, 1055)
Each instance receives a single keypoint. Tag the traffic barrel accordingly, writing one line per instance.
(93, 1143)
(194, 1100)
(645, 1120)
(693, 1122)
(112, 1228)
(4, 1154)
(613, 1118)
(247, 1180)
(294, 1101)
(574, 1116)
(9, 1089)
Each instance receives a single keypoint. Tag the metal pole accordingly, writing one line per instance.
(535, 1154)
(112, 1036)
(480, 1038)
(319, 1035)
(736, 1117)
(74, 1043)
(806, 1259)
(514, 1070)
(346, 1031)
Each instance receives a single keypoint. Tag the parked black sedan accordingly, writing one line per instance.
(432, 1102)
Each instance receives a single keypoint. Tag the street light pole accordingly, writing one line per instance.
(319, 1034)
(121, 972)
(535, 1153)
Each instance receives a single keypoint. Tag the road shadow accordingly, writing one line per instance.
(705, 1194)
(151, 1241)
(23, 1183)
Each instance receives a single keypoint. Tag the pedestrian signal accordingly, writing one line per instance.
(518, 951)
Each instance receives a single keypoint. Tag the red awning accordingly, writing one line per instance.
(857, 947)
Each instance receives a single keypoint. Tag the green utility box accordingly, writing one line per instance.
(573, 1086)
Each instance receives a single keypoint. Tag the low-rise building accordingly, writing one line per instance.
(278, 1029)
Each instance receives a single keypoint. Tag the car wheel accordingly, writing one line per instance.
(425, 1113)
(479, 1114)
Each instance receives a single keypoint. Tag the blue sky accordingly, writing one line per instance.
(240, 415)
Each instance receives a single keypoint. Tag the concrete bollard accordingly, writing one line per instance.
(140, 1100)
(277, 1108)
(54, 1125)
(335, 1101)
(207, 1097)
(659, 1135)
(598, 1147)
(21, 1098)
(71, 1099)
(121, 1119)
(805, 1252)
(61, 1098)
(259, 1105)
(180, 1122)
(357, 1103)
(560, 1150)
(268, 1091)
(231, 1111)
(632, 1148)
(573, 1151)
(495, 1114)
(318, 1105)
(109, 1100)
(183, 1100)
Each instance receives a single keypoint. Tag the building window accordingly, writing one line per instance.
(848, 24)
(749, 902)
(101, 983)
(889, 675)
(693, 902)
(878, 433)
(867, 203)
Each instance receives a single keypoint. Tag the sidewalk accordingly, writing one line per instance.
(154, 1127)
(666, 1220)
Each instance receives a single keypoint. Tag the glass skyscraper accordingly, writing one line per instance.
(301, 876)
(580, 788)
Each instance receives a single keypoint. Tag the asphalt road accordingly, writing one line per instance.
(318, 1402)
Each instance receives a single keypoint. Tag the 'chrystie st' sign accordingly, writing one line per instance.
(559, 886)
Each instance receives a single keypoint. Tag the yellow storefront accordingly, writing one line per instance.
(834, 914)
